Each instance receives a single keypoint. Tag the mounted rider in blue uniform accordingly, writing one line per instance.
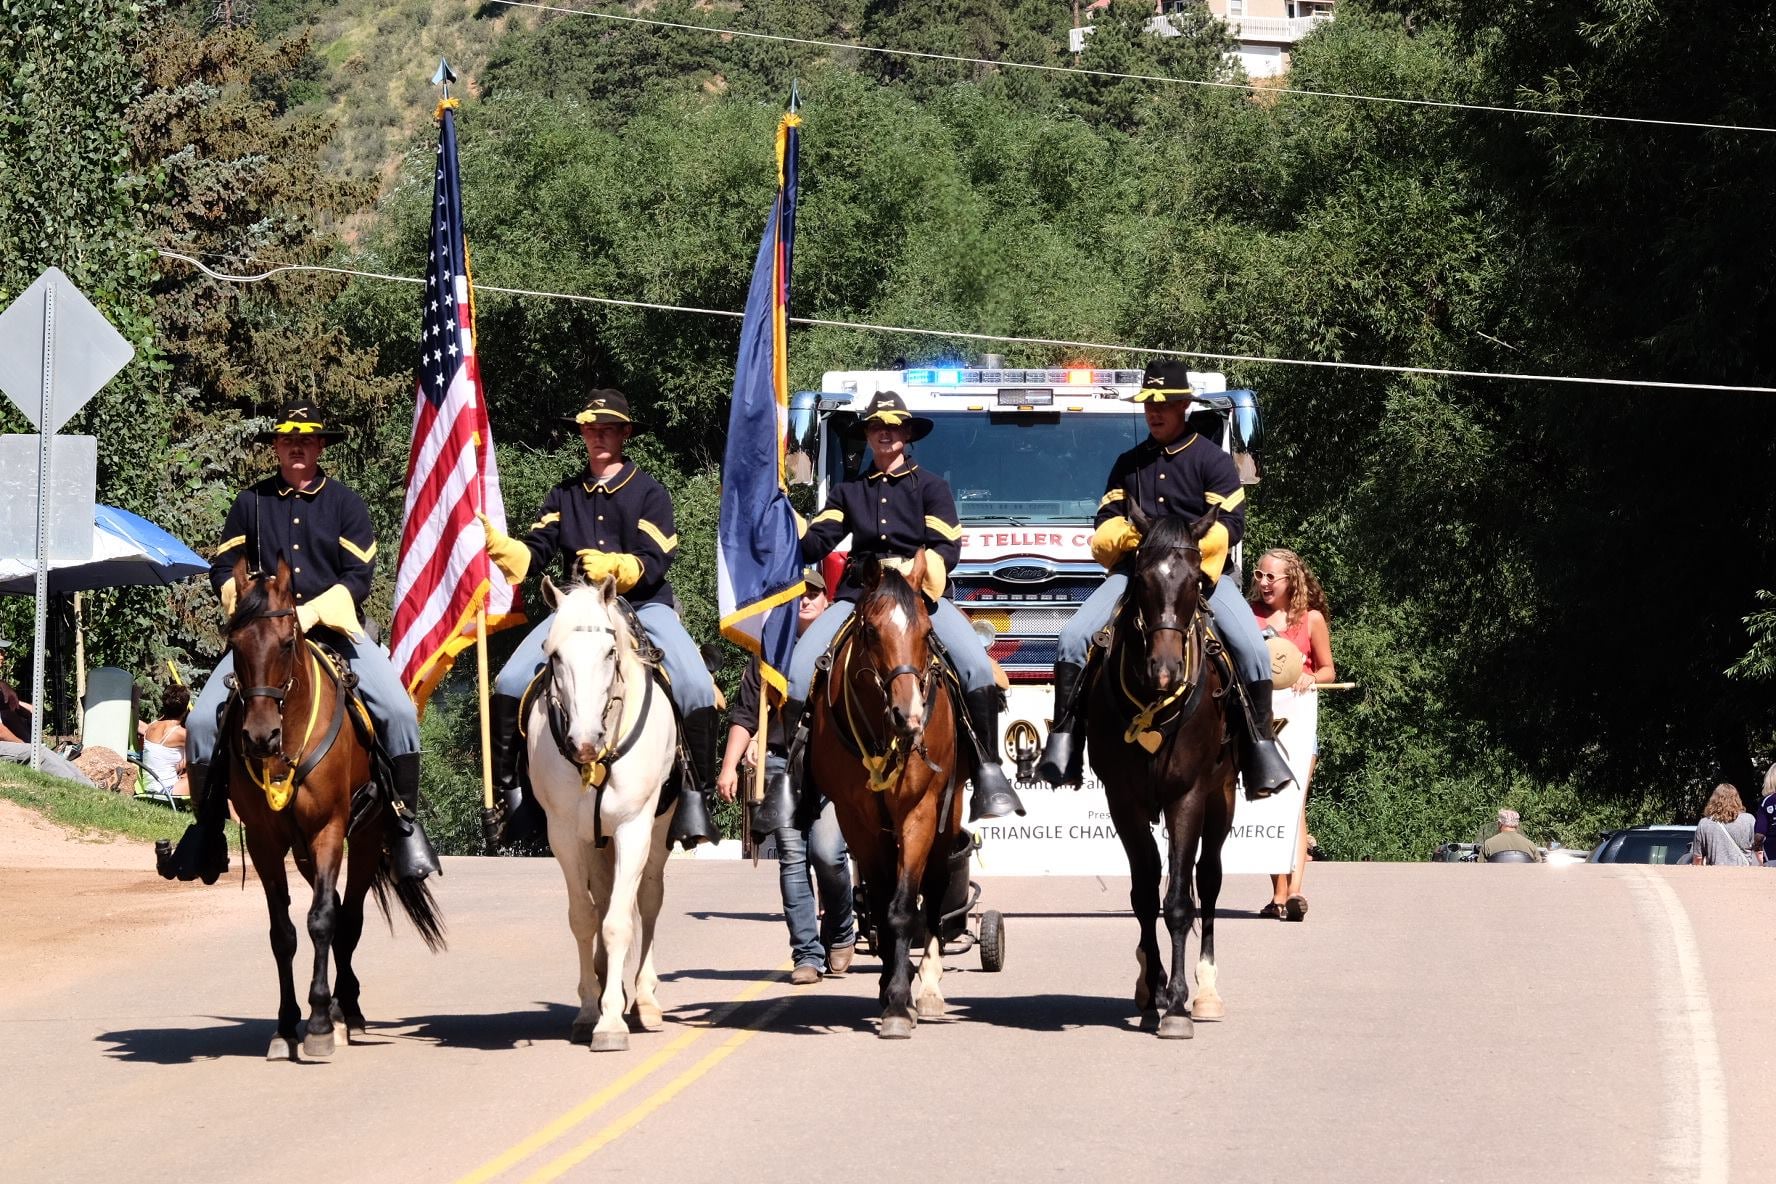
(321, 528)
(892, 510)
(610, 520)
(1174, 473)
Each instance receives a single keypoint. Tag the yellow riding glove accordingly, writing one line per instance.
(623, 568)
(508, 554)
(1114, 539)
(230, 597)
(332, 608)
(1214, 552)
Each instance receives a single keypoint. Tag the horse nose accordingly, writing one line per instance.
(585, 754)
(267, 743)
(1161, 670)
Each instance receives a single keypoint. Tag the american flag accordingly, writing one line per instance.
(444, 576)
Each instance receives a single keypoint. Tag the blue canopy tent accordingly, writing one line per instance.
(127, 551)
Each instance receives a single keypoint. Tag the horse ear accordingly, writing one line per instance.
(916, 577)
(607, 588)
(283, 573)
(1138, 519)
(868, 572)
(242, 573)
(551, 594)
(1203, 525)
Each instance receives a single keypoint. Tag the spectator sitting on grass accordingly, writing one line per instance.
(15, 729)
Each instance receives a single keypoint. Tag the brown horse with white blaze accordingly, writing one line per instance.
(293, 760)
(1157, 735)
(883, 747)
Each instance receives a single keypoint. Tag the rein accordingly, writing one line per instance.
(885, 762)
(279, 791)
(594, 773)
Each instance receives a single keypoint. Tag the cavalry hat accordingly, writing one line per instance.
(604, 406)
(889, 408)
(1166, 380)
(1286, 662)
(300, 419)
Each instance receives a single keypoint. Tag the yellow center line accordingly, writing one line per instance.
(564, 1125)
(560, 1164)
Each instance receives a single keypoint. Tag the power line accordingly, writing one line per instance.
(996, 338)
(625, 18)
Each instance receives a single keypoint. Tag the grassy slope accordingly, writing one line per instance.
(379, 59)
(88, 810)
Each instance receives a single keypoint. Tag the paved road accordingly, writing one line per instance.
(1428, 1022)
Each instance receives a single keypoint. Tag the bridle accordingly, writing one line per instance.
(595, 772)
(886, 760)
(1141, 728)
(275, 694)
(280, 790)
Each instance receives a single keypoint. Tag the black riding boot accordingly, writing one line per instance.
(411, 851)
(783, 789)
(692, 824)
(1063, 760)
(993, 795)
(524, 818)
(202, 853)
(1262, 767)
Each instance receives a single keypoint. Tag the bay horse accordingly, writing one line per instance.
(294, 765)
(601, 739)
(1157, 736)
(883, 746)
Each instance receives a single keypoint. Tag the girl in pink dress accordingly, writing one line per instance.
(1289, 603)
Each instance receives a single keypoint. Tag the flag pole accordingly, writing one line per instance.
(490, 820)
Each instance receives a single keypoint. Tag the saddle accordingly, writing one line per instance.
(594, 775)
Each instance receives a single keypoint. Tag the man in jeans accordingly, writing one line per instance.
(813, 834)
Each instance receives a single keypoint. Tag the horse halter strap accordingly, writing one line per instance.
(594, 773)
(275, 694)
(884, 761)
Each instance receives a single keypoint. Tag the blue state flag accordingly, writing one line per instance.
(758, 551)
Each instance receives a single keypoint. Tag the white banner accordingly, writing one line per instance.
(1068, 832)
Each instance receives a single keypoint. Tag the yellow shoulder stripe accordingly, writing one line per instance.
(667, 543)
(364, 554)
(231, 544)
(1227, 501)
(545, 520)
(1115, 495)
(833, 515)
(943, 528)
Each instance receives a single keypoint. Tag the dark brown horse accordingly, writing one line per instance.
(882, 736)
(294, 760)
(1157, 735)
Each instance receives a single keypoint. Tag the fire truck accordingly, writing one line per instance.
(1026, 453)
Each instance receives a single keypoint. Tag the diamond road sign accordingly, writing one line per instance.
(87, 350)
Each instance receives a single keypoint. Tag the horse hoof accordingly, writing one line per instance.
(648, 1019)
(1149, 1019)
(610, 1041)
(582, 1032)
(280, 1050)
(896, 1027)
(318, 1044)
(1175, 1027)
(931, 1007)
(1209, 1009)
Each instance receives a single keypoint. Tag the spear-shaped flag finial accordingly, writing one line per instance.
(445, 75)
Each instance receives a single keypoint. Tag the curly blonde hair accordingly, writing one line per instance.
(1724, 804)
(1304, 587)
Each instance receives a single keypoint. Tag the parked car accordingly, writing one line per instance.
(1645, 844)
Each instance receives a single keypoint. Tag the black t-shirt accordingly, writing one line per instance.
(746, 711)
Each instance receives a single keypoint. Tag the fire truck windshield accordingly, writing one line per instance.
(1027, 467)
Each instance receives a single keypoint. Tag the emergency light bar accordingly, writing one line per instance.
(1031, 378)
(1025, 397)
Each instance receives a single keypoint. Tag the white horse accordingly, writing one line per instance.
(598, 771)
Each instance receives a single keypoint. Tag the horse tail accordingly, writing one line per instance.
(416, 900)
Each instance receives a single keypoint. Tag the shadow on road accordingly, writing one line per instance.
(232, 1036)
(710, 975)
(490, 1031)
(712, 914)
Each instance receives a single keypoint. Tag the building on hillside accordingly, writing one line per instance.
(1265, 29)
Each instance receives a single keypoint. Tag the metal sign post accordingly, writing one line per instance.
(87, 352)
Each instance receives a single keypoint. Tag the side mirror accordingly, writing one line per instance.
(1248, 436)
(804, 436)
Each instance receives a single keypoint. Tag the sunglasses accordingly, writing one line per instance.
(1266, 577)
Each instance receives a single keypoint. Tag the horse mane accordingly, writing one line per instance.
(254, 602)
(1164, 537)
(895, 589)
